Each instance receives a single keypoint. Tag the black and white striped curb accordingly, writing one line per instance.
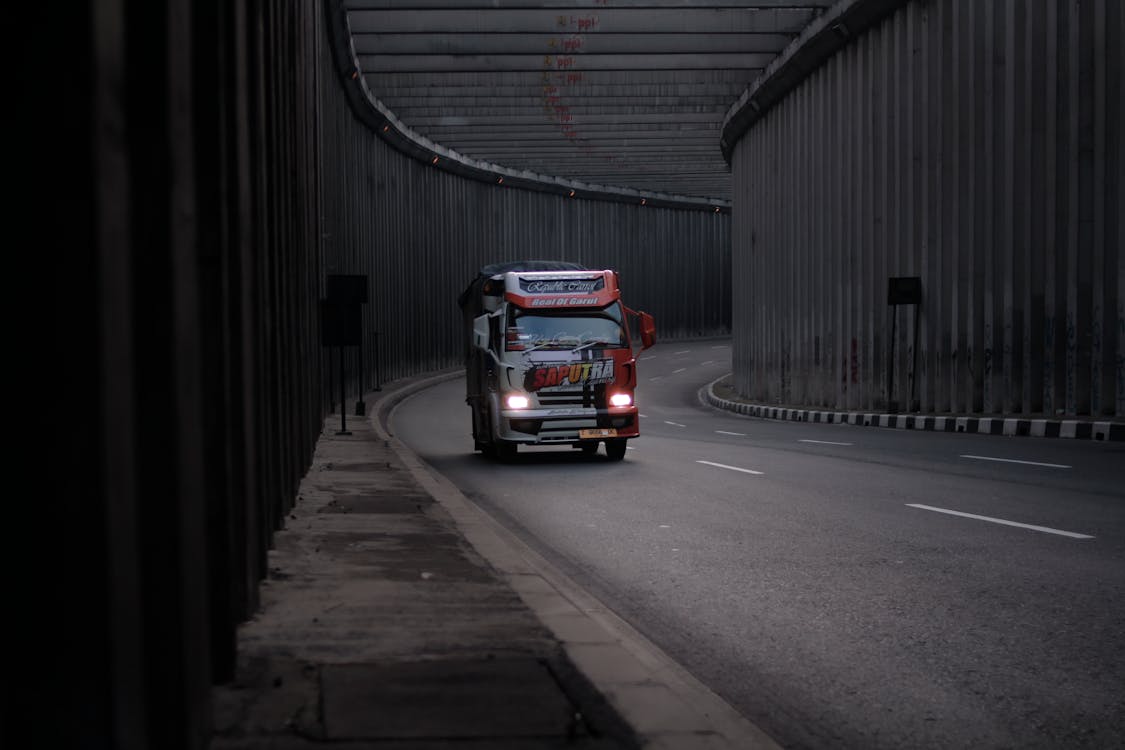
(1061, 428)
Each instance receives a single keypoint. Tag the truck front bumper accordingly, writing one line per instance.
(567, 425)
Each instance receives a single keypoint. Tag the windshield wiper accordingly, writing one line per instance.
(544, 345)
(596, 342)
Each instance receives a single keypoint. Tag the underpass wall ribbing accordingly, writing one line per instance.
(194, 401)
(420, 234)
(215, 175)
(976, 145)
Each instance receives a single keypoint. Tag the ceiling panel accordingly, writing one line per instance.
(624, 93)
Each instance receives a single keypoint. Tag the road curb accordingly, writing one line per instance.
(1112, 431)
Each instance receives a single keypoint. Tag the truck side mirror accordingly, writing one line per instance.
(648, 331)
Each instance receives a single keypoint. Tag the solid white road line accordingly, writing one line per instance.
(724, 432)
(1016, 461)
(823, 442)
(1044, 529)
(674, 424)
(732, 468)
(679, 370)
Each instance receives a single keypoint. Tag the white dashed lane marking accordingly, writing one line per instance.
(990, 519)
(732, 468)
(679, 370)
(724, 432)
(674, 424)
(685, 351)
(823, 442)
(1017, 461)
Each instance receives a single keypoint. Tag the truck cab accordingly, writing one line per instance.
(549, 358)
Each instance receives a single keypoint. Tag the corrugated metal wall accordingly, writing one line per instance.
(977, 145)
(421, 234)
(188, 343)
(214, 177)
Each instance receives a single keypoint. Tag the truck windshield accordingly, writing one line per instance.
(564, 329)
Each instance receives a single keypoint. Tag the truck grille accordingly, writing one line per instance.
(566, 398)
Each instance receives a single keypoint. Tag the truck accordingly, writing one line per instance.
(549, 358)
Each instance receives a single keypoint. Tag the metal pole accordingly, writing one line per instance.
(360, 406)
(892, 403)
(914, 362)
(343, 406)
(378, 386)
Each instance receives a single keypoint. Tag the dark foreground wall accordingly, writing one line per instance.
(977, 145)
(182, 193)
(207, 174)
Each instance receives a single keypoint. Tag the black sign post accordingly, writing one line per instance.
(902, 290)
(341, 318)
(343, 406)
(378, 379)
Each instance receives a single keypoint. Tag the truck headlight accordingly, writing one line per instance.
(620, 399)
(516, 401)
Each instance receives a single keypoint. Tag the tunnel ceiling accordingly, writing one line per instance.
(624, 93)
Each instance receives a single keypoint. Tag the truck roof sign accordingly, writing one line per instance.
(562, 289)
(562, 286)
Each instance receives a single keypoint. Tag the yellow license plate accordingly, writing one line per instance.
(601, 432)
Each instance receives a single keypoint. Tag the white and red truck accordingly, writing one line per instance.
(549, 358)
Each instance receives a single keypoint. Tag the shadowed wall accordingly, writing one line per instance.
(215, 174)
(977, 145)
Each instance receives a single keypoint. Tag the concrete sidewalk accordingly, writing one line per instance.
(398, 615)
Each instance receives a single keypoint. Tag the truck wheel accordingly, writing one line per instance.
(505, 451)
(615, 449)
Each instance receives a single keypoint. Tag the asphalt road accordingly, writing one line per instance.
(814, 594)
